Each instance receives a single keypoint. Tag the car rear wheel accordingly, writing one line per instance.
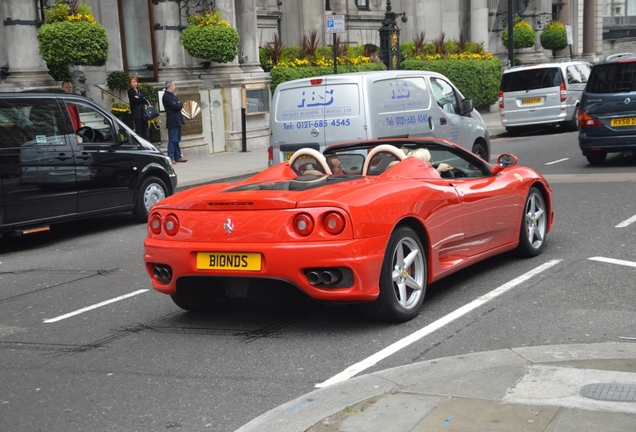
(402, 279)
(596, 158)
(152, 190)
(534, 223)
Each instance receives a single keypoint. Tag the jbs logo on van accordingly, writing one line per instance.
(316, 104)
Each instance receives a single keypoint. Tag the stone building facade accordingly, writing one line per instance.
(144, 38)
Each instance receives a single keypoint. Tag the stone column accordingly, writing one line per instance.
(589, 28)
(26, 67)
(478, 22)
(246, 24)
(171, 55)
(564, 17)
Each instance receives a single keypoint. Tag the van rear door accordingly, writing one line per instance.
(532, 96)
(298, 117)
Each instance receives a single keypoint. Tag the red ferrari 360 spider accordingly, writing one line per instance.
(363, 223)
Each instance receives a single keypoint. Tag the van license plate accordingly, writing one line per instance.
(627, 121)
(288, 155)
(229, 261)
(531, 101)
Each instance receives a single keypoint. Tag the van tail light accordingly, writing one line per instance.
(564, 93)
(270, 156)
(315, 81)
(586, 120)
(501, 100)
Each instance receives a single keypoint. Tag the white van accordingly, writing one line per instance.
(316, 112)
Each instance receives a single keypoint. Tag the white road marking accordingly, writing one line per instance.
(626, 222)
(614, 261)
(414, 337)
(557, 161)
(95, 306)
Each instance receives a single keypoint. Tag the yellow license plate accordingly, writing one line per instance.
(288, 155)
(627, 121)
(531, 101)
(229, 261)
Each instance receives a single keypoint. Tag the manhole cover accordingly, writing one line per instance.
(609, 392)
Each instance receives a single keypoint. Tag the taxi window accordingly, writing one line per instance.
(29, 122)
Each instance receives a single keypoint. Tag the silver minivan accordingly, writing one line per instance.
(543, 94)
(316, 112)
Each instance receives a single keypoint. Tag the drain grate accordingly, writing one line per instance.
(609, 392)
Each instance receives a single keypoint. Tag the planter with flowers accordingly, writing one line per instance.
(523, 35)
(70, 36)
(554, 37)
(209, 37)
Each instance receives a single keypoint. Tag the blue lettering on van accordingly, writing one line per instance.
(400, 91)
(288, 126)
(317, 100)
(402, 120)
(319, 124)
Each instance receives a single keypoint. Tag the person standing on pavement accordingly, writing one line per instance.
(174, 121)
(137, 102)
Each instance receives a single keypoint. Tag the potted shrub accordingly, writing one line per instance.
(554, 37)
(70, 36)
(523, 35)
(210, 38)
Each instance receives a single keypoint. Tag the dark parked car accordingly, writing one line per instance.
(607, 116)
(50, 173)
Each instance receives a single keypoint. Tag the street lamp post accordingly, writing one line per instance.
(390, 38)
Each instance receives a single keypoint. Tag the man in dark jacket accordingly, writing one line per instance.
(174, 120)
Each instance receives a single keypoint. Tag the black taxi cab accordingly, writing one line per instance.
(57, 167)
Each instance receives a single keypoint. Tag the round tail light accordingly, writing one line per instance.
(303, 224)
(334, 223)
(171, 224)
(154, 223)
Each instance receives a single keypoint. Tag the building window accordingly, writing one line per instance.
(327, 5)
(362, 4)
(620, 8)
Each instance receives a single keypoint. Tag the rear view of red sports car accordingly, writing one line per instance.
(363, 222)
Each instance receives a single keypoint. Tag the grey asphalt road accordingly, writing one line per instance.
(141, 364)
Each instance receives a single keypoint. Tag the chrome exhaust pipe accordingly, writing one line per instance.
(329, 277)
(313, 277)
(162, 272)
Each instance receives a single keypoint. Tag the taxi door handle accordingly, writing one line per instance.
(63, 156)
(83, 156)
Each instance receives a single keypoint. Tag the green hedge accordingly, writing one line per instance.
(282, 74)
(476, 79)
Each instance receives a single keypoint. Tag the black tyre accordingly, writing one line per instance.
(573, 125)
(480, 150)
(151, 190)
(402, 279)
(514, 131)
(534, 223)
(596, 158)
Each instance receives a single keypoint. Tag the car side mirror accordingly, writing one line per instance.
(504, 161)
(466, 106)
(124, 136)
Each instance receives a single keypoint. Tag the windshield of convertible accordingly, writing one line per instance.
(301, 183)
